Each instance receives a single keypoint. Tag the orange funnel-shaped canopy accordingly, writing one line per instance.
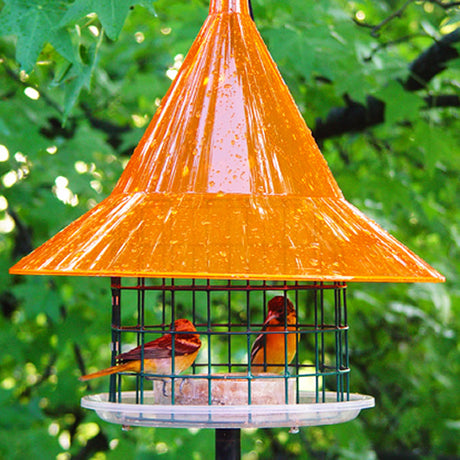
(227, 182)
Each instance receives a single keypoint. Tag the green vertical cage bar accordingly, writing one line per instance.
(140, 338)
(286, 365)
(249, 329)
(229, 329)
(345, 335)
(173, 347)
(337, 344)
(116, 335)
(209, 338)
(322, 353)
(296, 357)
(317, 355)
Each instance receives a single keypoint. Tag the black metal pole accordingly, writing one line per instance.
(251, 13)
(228, 444)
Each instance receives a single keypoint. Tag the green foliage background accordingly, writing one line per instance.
(99, 68)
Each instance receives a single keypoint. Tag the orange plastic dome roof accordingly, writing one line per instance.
(227, 182)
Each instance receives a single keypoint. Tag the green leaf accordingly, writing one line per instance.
(352, 442)
(28, 443)
(111, 13)
(400, 105)
(148, 5)
(290, 48)
(35, 23)
(79, 77)
(10, 346)
(38, 295)
(436, 144)
(12, 126)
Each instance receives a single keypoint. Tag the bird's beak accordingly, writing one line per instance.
(269, 317)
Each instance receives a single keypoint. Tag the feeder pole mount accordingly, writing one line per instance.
(228, 444)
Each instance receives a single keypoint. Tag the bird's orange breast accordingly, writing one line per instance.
(273, 355)
(163, 365)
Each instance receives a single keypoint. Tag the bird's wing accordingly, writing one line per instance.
(162, 348)
(159, 348)
(187, 345)
(258, 344)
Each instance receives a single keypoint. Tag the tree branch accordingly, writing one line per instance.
(45, 375)
(446, 6)
(114, 131)
(22, 237)
(432, 61)
(98, 443)
(356, 117)
(391, 43)
(14, 75)
(79, 358)
(376, 28)
(442, 100)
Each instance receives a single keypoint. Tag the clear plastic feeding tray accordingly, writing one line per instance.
(306, 413)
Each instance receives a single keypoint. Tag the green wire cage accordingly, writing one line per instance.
(222, 389)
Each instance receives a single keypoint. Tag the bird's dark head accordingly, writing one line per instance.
(186, 331)
(278, 307)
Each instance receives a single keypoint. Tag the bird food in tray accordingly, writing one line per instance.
(226, 389)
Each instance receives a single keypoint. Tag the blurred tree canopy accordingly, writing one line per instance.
(377, 82)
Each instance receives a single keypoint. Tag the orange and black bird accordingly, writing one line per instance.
(158, 353)
(268, 352)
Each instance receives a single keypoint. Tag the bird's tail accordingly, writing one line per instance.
(129, 366)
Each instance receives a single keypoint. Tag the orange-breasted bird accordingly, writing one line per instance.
(268, 352)
(158, 353)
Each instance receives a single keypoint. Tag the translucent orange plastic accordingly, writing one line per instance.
(227, 182)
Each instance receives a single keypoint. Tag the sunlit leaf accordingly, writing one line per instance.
(34, 23)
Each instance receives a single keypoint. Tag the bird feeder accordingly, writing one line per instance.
(225, 204)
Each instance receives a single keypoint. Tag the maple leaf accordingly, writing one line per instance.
(111, 13)
(35, 22)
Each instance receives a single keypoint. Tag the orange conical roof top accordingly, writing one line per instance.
(227, 182)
